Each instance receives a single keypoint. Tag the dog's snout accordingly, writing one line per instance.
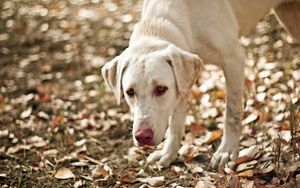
(144, 137)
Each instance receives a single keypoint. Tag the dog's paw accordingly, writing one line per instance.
(224, 154)
(162, 158)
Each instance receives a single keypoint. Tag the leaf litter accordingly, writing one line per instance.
(58, 120)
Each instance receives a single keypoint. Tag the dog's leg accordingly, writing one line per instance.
(233, 69)
(173, 138)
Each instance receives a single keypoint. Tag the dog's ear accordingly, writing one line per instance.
(186, 67)
(112, 73)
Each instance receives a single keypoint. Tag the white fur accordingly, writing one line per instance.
(164, 49)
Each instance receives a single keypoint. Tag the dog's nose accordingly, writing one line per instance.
(144, 136)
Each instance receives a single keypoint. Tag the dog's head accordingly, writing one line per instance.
(152, 81)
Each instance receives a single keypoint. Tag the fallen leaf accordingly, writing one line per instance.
(246, 173)
(4, 133)
(18, 148)
(153, 181)
(269, 169)
(206, 184)
(220, 94)
(243, 159)
(213, 136)
(26, 113)
(92, 78)
(51, 152)
(129, 177)
(78, 184)
(99, 171)
(64, 173)
(247, 183)
(80, 163)
(251, 118)
(57, 120)
(234, 182)
(197, 169)
(197, 129)
(3, 176)
(249, 152)
(177, 170)
(80, 142)
(246, 166)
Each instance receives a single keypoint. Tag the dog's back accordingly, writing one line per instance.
(289, 15)
(248, 13)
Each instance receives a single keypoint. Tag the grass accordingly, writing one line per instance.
(294, 127)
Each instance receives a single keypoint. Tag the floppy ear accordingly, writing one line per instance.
(112, 73)
(186, 67)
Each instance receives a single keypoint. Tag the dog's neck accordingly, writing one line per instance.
(159, 29)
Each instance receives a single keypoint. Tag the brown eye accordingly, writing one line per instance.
(160, 90)
(130, 92)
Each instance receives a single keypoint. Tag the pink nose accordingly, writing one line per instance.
(144, 136)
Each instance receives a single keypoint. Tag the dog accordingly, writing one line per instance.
(165, 56)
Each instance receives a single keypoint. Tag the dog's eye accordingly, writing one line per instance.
(130, 92)
(160, 90)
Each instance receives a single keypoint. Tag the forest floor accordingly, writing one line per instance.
(60, 126)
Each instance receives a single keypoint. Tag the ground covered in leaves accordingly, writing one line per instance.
(60, 127)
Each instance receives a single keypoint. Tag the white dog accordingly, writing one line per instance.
(164, 58)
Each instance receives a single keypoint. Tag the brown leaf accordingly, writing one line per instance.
(129, 177)
(246, 173)
(64, 173)
(44, 98)
(242, 159)
(215, 135)
(99, 171)
(220, 94)
(57, 120)
(197, 129)
(196, 93)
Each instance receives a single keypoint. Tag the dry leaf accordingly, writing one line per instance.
(249, 152)
(80, 163)
(243, 159)
(80, 142)
(92, 78)
(18, 148)
(64, 173)
(4, 133)
(153, 181)
(197, 129)
(234, 182)
(247, 173)
(204, 184)
(51, 152)
(99, 171)
(246, 166)
(78, 184)
(213, 136)
(220, 94)
(251, 118)
(26, 113)
(129, 177)
(3, 176)
(247, 183)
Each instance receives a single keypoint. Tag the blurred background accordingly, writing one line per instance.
(56, 113)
